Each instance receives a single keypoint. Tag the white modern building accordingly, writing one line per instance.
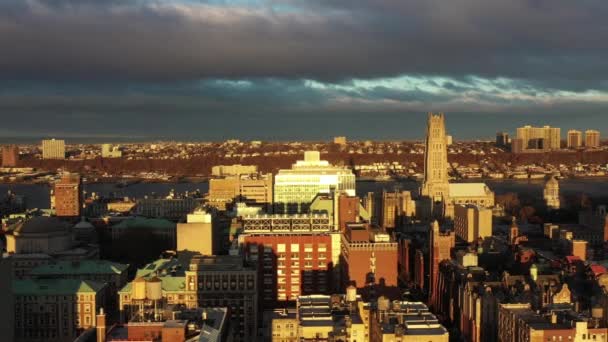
(295, 188)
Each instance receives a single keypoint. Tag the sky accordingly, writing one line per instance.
(307, 69)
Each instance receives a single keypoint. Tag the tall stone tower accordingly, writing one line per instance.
(435, 185)
(551, 193)
(440, 248)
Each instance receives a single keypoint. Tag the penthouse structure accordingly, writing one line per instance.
(53, 149)
(295, 188)
(296, 254)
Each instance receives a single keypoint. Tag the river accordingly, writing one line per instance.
(38, 194)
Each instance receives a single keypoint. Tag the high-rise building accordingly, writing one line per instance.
(53, 149)
(435, 185)
(397, 208)
(575, 139)
(543, 138)
(68, 195)
(110, 151)
(295, 254)
(440, 248)
(295, 188)
(551, 193)
(369, 256)
(592, 138)
(10, 155)
(472, 222)
(502, 139)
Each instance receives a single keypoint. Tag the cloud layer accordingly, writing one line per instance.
(86, 60)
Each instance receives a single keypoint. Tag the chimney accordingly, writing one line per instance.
(101, 326)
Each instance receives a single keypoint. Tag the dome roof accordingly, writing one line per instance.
(40, 225)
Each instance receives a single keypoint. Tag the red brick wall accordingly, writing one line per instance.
(348, 208)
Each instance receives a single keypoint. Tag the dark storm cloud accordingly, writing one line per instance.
(557, 43)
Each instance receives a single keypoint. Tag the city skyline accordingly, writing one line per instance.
(292, 62)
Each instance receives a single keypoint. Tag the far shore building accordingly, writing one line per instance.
(539, 138)
(53, 149)
(110, 151)
(575, 139)
(592, 138)
(10, 156)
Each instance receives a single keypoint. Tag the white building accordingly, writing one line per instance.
(295, 188)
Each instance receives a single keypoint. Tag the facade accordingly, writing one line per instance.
(255, 189)
(397, 208)
(575, 139)
(55, 310)
(295, 188)
(10, 156)
(539, 138)
(551, 193)
(405, 321)
(169, 208)
(110, 151)
(53, 149)
(233, 170)
(440, 249)
(295, 255)
(369, 256)
(472, 222)
(225, 281)
(197, 234)
(592, 138)
(68, 196)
